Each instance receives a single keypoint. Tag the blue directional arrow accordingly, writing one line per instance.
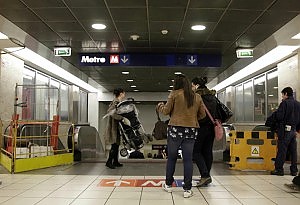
(124, 59)
(192, 60)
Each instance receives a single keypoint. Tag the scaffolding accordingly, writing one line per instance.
(31, 140)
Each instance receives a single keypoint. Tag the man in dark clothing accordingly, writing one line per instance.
(287, 117)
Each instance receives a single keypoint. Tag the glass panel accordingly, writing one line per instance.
(41, 108)
(28, 94)
(259, 98)
(221, 97)
(64, 102)
(272, 91)
(83, 115)
(248, 101)
(53, 97)
(239, 117)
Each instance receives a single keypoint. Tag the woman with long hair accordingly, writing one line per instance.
(185, 108)
(112, 134)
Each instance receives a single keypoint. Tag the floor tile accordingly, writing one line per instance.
(35, 193)
(125, 195)
(247, 194)
(223, 202)
(154, 195)
(122, 202)
(217, 195)
(256, 202)
(154, 202)
(21, 201)
(4, 198)
(276, 194)
(65, 194)
(55, 201)
(89, 202)
(285, 201)
(93, 194)
(190, 201)
(14, 192)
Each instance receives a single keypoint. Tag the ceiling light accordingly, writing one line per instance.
(198, 27)
(134, 37)
(135, 90)
(164, 32)
(171, 86)
(125, 72)
(3, 36)
(28, 55)
(129, 80)
(178, 73)
(98, 26)
(271, 95)
(133, 86)
(169, 90)
(296, 36)
(275, 87)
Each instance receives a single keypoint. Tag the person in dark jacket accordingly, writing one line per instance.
(203, 147)
(287, 118)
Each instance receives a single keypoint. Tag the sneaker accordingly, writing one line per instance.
(204, 181)
(167, 188)
(187, 193)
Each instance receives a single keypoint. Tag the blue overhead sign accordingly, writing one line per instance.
(144, 59)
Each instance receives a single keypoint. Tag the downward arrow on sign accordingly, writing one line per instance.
(124, 59)
(192, 60)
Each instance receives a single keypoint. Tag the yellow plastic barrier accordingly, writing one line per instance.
(252, 150)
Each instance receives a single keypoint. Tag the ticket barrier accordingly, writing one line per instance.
(252, 150)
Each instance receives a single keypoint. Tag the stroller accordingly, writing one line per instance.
(133, 136)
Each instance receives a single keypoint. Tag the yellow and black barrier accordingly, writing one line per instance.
(252, 150)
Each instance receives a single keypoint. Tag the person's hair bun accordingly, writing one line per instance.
(204, 80)
(118, 91)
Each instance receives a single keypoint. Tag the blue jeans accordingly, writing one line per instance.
(187, 145)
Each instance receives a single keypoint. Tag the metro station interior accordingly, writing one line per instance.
(61, 60)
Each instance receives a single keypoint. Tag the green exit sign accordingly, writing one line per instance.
(62, 51)
(244, 53)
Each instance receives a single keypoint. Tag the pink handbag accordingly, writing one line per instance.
(219, 131)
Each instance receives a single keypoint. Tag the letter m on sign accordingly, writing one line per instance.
(114, 59)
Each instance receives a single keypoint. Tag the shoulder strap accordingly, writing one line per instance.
(208, 113)
(157, 114)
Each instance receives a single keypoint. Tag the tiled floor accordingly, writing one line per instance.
(79, 184)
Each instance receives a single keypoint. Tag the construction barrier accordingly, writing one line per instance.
(29, 145)
(252, 150)
(35, 137)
